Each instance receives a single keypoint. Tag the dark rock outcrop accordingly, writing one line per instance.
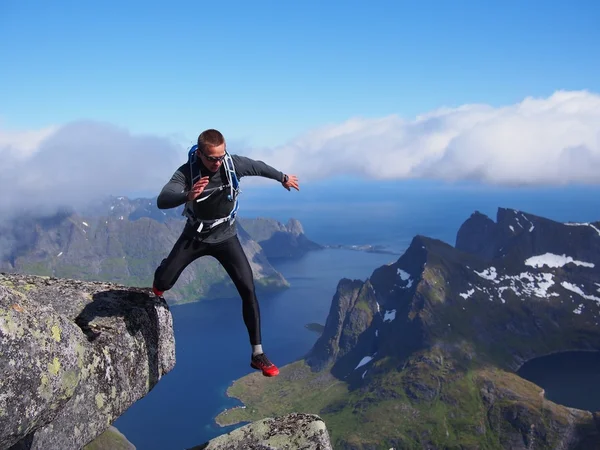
(351, 313)
(478, 235)
(291, 432)
(74, 356)
(517, 235)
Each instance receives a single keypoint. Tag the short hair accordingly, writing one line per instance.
(210, 138)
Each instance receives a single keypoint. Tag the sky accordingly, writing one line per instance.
(105, 97)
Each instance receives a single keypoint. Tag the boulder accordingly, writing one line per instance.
(74, 356)
(290, 432)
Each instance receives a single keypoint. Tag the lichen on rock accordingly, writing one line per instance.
(74, 353)
(291, 432)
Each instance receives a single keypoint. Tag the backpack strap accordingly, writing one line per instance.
(232, 184)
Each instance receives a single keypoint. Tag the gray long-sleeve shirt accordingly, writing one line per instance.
(216, 204)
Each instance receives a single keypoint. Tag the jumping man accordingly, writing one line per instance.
(208, 185)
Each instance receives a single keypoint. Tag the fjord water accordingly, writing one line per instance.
(212, 348)
(568, 378)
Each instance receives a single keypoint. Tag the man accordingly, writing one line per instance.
(208, 186)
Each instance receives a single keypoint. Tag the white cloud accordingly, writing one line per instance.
(552, 140)
(21, 144)
(73, 164)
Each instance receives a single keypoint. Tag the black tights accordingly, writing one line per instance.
(233, 259)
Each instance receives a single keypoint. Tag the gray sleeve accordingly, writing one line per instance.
(246, 167)
(174, 193)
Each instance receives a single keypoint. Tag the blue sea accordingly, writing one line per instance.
(212, 347)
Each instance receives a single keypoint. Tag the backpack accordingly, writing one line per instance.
(234, 190)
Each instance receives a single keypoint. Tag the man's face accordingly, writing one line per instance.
(212, 157)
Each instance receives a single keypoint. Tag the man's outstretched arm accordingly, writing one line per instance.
(245, 166)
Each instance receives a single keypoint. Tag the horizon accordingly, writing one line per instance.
(494, 95)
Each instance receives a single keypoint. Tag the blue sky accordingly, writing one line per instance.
(500, 93)
(265, 72)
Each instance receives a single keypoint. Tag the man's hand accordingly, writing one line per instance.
(197, 188)
(292, 182)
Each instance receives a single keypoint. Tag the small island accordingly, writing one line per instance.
(316, 327)
(363, 248)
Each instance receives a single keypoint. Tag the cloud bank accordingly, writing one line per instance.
(539, 141)
(548, 141)
(78, 163)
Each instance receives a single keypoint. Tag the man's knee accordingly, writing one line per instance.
(161, 282)
(247, 290)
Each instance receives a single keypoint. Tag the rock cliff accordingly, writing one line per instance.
(290, 432)
(74, 356)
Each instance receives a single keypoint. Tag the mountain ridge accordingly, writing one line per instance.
(439, 335)
(105, 245)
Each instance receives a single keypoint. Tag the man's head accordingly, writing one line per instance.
(211, 149)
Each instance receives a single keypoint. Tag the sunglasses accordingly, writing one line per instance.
(212, 158)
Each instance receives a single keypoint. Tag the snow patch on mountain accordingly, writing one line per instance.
(574, 288)
(405, 276)
(551, 260)
(525, 283)
(583, 224)
(389, 315)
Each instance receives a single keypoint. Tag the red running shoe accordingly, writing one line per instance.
(261, 362)
(157, 292)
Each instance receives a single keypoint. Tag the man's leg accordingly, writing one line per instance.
(185, 251)
(233, 259)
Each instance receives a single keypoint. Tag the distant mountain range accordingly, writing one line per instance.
(123, 240)
(424, 353)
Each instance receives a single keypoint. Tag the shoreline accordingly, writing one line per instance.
(226, 411)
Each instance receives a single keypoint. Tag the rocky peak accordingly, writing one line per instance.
(351, 312)
(477, 235)
(74, 356)
(517, 235)
(294, 227)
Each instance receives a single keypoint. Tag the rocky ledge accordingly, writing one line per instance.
(290, 432)
(74, 356)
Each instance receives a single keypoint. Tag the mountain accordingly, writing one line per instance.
(424, 353)
(122, 240)
(278, 240)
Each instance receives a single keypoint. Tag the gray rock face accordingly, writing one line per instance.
(344, 323)
(291, 432)
(74, 356)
